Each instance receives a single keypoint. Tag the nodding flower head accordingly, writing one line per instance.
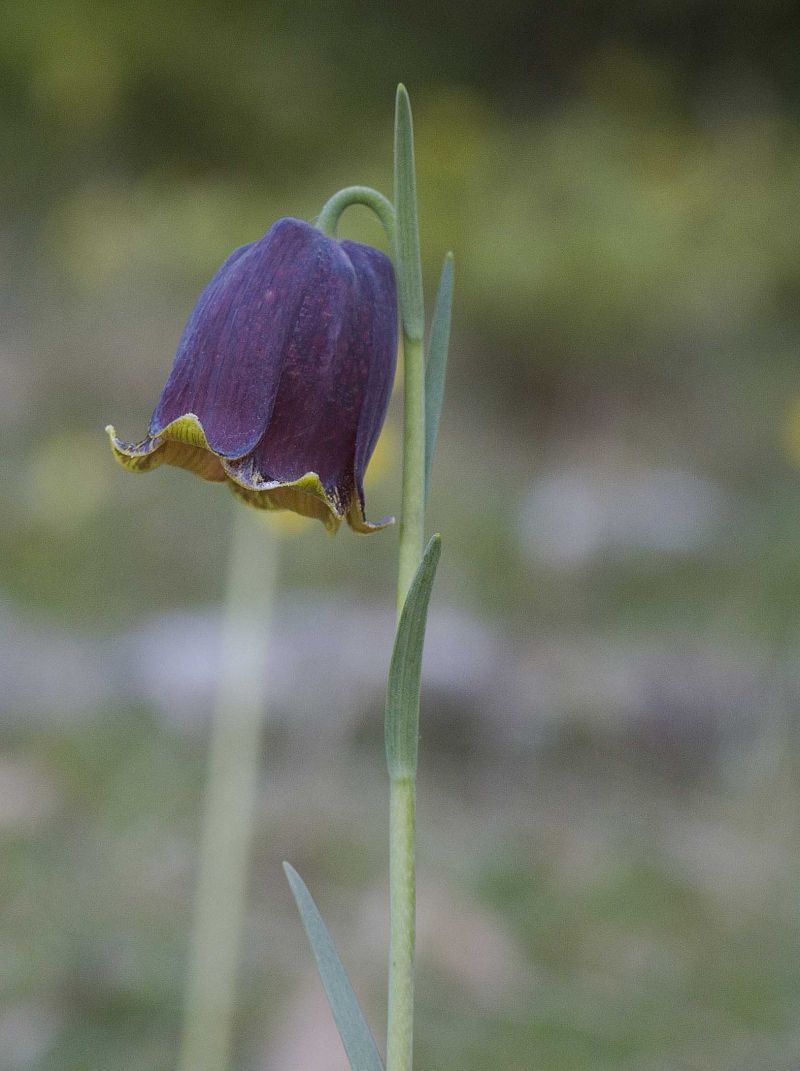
(282, 376)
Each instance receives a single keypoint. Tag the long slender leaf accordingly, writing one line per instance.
(436, 368)
(409, 268)
(402, 692)
(350, 1022)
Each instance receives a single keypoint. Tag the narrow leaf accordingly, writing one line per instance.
(436, 368)
(409, 268)
(402, 692)
(350, 1022)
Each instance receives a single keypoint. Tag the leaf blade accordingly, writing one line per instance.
(405, 671)
(436, 367)
(407, 254)
(350, 1022)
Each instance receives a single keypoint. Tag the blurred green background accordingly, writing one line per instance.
(609, 786)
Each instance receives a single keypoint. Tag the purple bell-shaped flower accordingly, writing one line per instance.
(282, 376)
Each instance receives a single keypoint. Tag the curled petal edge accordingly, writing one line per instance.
(183, 443)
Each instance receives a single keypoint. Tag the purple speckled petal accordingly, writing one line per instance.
(282, 377)
(377, 337)
(336, 377)
(229, 360)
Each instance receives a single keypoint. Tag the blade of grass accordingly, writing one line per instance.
(408, 263)
(350, 1022)
(436, 367)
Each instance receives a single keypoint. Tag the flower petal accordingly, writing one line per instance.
(357, 521)
(376, 340)
(182, 443)
(229, 360)
(335, 382)
(305, 496)
(324, 383)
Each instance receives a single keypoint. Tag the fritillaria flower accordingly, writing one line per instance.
(282, 376)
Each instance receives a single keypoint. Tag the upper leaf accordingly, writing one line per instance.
(436, 368)
(402, 692)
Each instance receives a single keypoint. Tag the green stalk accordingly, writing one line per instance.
(412, 516)
(231, 791)
(328, 219)
(402, 925)
(402, 798)
(402, 230)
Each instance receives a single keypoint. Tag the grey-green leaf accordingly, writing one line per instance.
(436, 368)
(402, 692)
(350, 1022)
(407, 255)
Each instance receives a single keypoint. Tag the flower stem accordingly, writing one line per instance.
(402, 791)
(230, 799)
(402, 882)
(402, 798)
(402, 230)
(412, 516)
(412, 314)
(328, 219)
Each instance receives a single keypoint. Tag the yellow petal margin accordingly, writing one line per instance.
(183, 443)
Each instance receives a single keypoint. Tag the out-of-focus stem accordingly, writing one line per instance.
(234, 760)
